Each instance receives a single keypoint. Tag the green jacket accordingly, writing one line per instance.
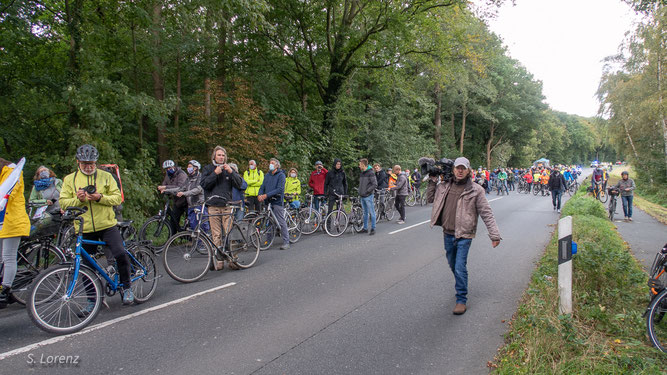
(292, 186)
(254, 179)
(100, 215)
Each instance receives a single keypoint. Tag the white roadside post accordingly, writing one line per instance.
(565, 264)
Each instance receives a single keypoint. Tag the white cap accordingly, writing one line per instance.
(462, 161)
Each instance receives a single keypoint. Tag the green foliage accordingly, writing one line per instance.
(584, 205)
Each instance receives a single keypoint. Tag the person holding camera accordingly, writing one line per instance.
(457, 202)
(97, 191)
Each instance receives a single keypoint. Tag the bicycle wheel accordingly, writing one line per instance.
(603, 196)
(336, 223)
(310, 220)
(390, 210)
(156, 231)
(411, 200)
(187, 257)
(357, 219)
(267, 231)
(536, 190)
(612, 209)
(293, 226)
(50, 308)
(31, 260)
(243, 248)
(143, 273)
(656, 324)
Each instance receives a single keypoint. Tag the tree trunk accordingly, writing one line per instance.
(453, 130)
(158, 82)
(73, 15)
(178, 90)
(464, 115)
(488, 148)
(437, 121)
(224, 41)
(661, 106)
(627, 133)
(207, 99)
(135, 79)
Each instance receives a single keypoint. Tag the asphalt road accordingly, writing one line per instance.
(356, 304)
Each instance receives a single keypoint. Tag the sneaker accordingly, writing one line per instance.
(284, 246)
(128, 296)
(372, 232)
(400, 222)
(559, 210)
(629, 219)
(363, 231)
(459, 309)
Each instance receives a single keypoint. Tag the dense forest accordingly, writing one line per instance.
(302, 80)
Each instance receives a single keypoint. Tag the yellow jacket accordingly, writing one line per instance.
(100, 214)
(17, 223)
(292, 186)
(254, 179)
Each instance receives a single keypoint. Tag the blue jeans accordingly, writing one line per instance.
(627, 205)
(555, 198)
(279, 211)
(367, 205)
(457, 256)
(192, 218)
(316, 202)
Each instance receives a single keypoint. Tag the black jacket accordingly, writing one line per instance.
(382, 179)
(367, 183)
(220, 184)
(556, 181)
(336, 181)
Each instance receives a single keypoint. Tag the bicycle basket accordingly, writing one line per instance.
(47, 225)
(613, 191)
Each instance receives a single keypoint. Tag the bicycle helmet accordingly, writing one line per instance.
(168, 164)
(195, 164)
(625, 173)
(87, 153)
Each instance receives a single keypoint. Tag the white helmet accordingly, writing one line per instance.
(168, 164)
(195, 164)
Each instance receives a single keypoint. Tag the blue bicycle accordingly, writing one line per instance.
(66, 298)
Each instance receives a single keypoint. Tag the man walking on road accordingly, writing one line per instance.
(367, 185)
(456, 205)
(556, 186)
(626, 185)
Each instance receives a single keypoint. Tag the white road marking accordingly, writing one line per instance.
(495, 199)
(54, 340)
(406, 228)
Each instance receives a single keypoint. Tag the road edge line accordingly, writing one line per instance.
(411, 226)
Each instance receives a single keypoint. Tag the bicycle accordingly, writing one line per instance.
(656, 324)
(356, 216)
(310, 218)
(599, 193)
(189, 255)
(613, 194)
(267, 224)
(159, 228)
(384, 204)
(66, 298)
(34, 255)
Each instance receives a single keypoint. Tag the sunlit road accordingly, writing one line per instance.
(356, 304)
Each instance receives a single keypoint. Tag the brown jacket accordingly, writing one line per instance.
(472, 203)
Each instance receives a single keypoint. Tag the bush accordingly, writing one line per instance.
(582, 204)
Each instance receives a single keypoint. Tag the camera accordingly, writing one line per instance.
(90, 189)
(443, 167)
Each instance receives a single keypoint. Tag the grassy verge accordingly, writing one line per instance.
(653, 203)
(606, 332)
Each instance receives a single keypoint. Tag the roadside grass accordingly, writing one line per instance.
(653, 203)
(606, 332)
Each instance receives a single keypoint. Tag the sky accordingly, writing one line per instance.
(562, 43)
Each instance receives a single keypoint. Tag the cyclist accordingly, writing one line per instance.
(335, 183)
(175, 178)
(293, 189)
(510, 179)
(567, 175)
(626, 185)
(416, 178)
(383, 183)
(96, 190)
(254, 178)
(597, 178)
(46, 190)
(316, 182)
(502, 182)
(544, 180)
(273, 191)
(193, 193)
(16, 224)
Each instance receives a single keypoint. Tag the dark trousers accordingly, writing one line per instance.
(253, 203)
(176, 214)
(331, 201)
(555, 198)
(400, 205)
(114, 242)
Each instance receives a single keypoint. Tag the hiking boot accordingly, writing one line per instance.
(285, 246)
(5, 296)
(459, 309)
(128, 296)
(372, 232)
(363, 231)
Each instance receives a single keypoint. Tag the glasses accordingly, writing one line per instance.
(87, 163)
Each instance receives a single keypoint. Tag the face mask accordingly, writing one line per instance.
(252, 167)
(272, 167)
(293, 175)
(170, 172)
(44, 174)
(191, 170)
